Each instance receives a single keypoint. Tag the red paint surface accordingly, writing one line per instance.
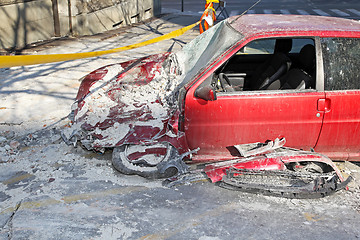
(216, 173)
(329, 121)
(341, 127)
(232, 120)
(240, 119)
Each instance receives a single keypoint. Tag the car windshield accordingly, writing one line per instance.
(205, 48)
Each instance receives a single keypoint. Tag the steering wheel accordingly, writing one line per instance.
(225, 83)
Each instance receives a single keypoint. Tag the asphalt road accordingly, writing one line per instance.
(345, 9)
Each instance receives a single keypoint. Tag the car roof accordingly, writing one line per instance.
(267, 24)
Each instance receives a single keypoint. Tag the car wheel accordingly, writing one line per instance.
(143, 160)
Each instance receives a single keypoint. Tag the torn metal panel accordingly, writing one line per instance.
(252, 149)
(217, 171)
(279, 160)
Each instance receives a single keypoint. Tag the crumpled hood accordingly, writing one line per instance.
(137, 71)
(116, 101)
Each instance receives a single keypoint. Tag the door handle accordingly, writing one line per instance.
(324, 105)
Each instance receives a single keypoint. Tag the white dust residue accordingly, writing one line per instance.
(112, 134)
(154, 101)
(117, 230)
(151, 94)
(209, 238)
(97, 104)
(39, 164)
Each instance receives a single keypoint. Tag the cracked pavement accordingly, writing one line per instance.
(53, 191)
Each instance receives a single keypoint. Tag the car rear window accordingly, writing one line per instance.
(341, 63)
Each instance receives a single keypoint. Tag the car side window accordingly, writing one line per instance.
(341, 58)
(269, 64)
(262, 46)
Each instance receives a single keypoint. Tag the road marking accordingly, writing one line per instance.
(268, 11)
(321, 12)
(340, 13)
(251, 12)
(302, 12)
(284, 11)
(354, 11)
(312, 217)
(76, 198)
(17, 179)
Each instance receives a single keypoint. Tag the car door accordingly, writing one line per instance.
(251, 116)
(240, 118)
(340, 134)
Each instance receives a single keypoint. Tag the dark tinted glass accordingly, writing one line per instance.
(341, 63)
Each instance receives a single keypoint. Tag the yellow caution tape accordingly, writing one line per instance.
(22, 60)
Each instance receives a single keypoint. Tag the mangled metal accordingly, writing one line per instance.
(283, 183)
(247, 150)
(150, 112)
(280, 171)
(137, 103)
(120, 100)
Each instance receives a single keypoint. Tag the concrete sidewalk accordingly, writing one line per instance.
(53, 191)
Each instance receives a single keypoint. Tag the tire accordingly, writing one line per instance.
(143, 160)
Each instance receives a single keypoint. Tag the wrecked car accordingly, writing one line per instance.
(248, 79)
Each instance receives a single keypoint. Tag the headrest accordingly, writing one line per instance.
(307, 58)
(283, 45)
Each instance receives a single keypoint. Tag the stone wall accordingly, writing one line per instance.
(28, 21)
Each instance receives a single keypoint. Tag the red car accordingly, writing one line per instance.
(248, 79)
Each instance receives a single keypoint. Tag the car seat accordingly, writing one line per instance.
(274, 67)
(301, 77)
